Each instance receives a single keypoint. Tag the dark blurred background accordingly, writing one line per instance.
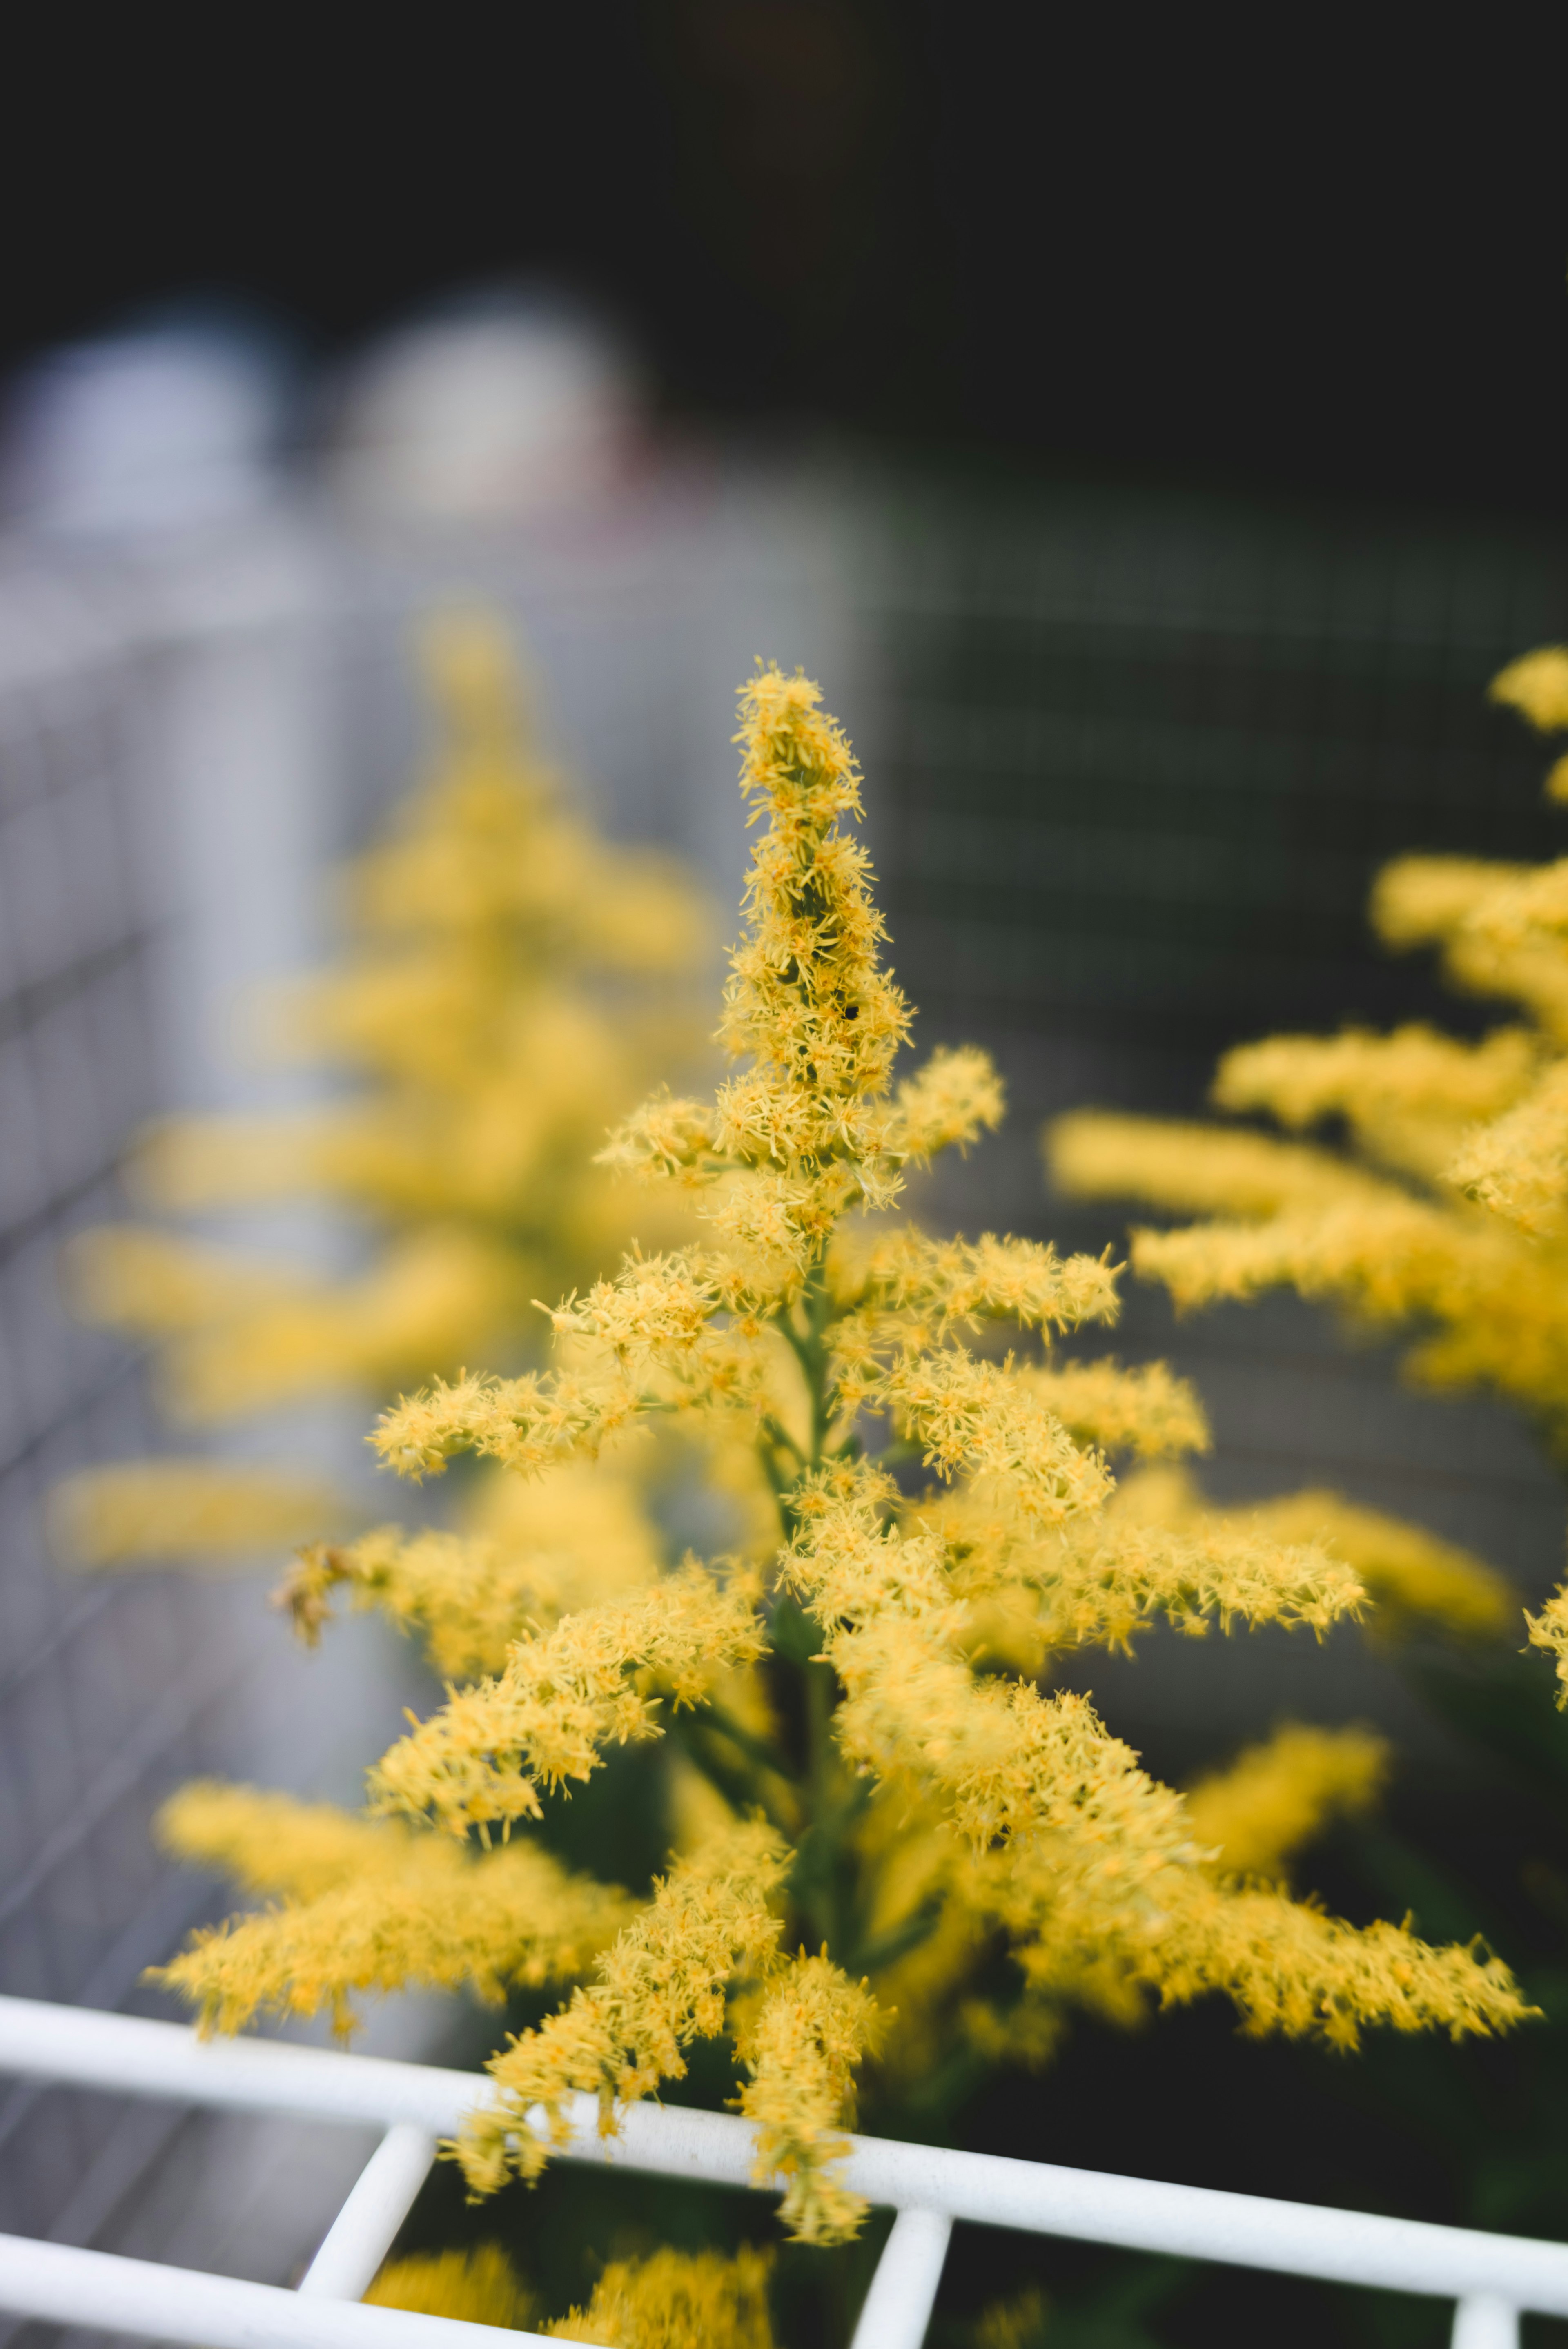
(1150, 427)
(1323, 256)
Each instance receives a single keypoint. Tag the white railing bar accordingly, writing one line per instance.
(1097, 2207)
(382, 2196)
(1483, 2321)
(897, 2308)
(88, 2049)
(167, 2060)
(1200, 2222)
(67, 2286)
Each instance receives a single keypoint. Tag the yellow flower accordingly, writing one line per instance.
(676, 2300)
(886, 1785)
(477, 2287)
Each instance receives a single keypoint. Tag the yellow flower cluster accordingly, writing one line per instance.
(1291, 1970)
(479, 2287)
(509, 993)
(1494, 1297)
(800, 2041)
(885, 1782)
(661, 1984)
(366, 1906)
(186, 1509)
(1411, 1574)
(1090, 1860)
(1450, 1209)
(675, 2300)
(527, 1554)
(1408, 1098)
(1549, 1630)
(1144, 1410)
(565, 1694)
(1275, 1797)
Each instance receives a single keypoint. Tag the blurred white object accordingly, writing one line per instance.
(145, 433)
(495, 414)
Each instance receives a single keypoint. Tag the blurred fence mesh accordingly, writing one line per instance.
(1147, 755)
(114, 1689)
(107, 1689)
(1143, 756)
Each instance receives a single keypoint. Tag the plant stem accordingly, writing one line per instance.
(824, 1871)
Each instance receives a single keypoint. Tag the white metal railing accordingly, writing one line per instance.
(1491, 2278)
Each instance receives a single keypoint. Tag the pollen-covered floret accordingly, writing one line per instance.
(948, 1103)
(527, 1554)
(363, 1906)
(1275, 1797)
(662, 1984)
(676, 2300)
(801, 2042)
(595, 1680)
(1549, 1630)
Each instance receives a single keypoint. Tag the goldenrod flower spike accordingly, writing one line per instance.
(564, 1695)
(1274, 1798)
(1537, 687)
(801, 2043)
(885, 1789)
(480, 2287)
(660, 1986)
(173, 1509)
(1449, 1212)
(508, 991)
(364, 1907)
(676, 2300)
(528, 1553)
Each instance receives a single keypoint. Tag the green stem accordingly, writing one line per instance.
(756, 1749)
(743, 1792)
(825, 1874)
